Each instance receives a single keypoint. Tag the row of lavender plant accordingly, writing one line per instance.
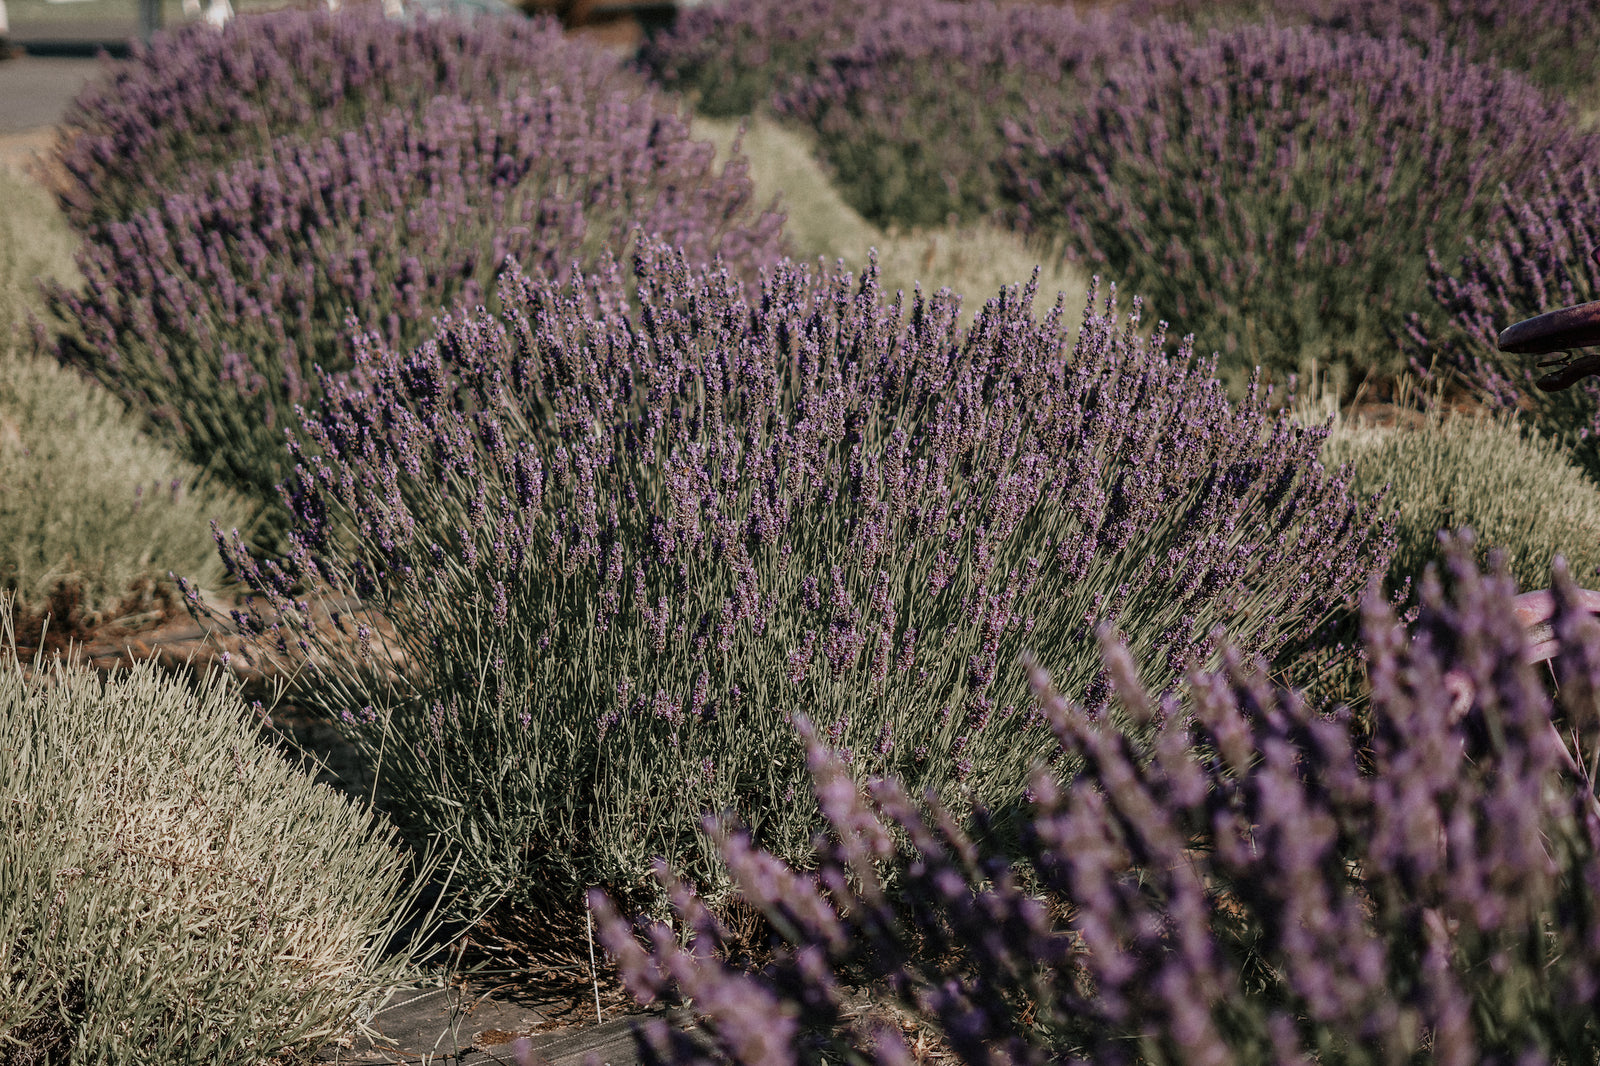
(1287, 897)
(620, 544)
(195, 98)
(1280, 192)
(1554, 41)
(212, 308)
(1277, 190)
(909, 115)
(731, 57)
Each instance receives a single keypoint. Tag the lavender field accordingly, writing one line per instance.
(1010, 510)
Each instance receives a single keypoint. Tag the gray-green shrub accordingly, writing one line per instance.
(87, 501)
(1519, 493)
(171, 890)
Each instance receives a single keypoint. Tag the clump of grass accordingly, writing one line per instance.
(1520, 492)
(93, 514)
(170, 890)
(975, 259)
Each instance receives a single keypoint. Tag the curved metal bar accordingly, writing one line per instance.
(1570, 371)
(1558, 331)
(1577, 326)
(1534, 610)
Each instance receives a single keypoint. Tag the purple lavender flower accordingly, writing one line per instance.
(741, 505)
(1276, 190)
(1259, 883)
(219, 309)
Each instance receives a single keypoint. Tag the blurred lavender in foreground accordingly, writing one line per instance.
(1250, 887)
(621, 543)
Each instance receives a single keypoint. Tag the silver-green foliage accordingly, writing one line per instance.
(84, 496)
(1518, 492)
(35, 242)
(171, 890)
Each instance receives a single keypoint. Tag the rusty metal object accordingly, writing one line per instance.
(1558, 331)
(1534, 610)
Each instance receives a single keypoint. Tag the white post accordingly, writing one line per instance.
(219, 13)
(5, 26)
(149, 18)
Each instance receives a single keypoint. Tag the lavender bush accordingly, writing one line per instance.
(620, 545)
(1276, 898)
(1277, 190)
(909, 114)
(212, 310)
(1555, 41)
(197, 98)
(1537, 254)
(729, 58)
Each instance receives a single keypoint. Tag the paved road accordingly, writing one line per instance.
(35, 90)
